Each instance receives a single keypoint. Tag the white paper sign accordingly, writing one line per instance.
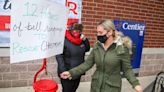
(37, 29)
(63, 2)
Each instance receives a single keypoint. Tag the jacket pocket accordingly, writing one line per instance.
(94, 83)
(114, 81)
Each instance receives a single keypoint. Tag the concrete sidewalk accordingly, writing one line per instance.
(85, 86)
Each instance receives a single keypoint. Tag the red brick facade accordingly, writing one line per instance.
(151, 12)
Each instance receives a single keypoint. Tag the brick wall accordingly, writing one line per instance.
(151, 63)
(21, 74)
(149, 11)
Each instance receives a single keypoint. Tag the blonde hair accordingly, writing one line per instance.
(125, 40)
(108, 25)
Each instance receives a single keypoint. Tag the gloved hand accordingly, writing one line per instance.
(83, 37)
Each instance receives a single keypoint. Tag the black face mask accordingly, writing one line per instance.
(102, 39)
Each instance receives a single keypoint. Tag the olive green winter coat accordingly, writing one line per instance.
(108, 62)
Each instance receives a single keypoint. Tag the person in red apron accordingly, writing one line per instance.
(75, 47)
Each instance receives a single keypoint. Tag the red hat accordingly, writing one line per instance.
(71, 21)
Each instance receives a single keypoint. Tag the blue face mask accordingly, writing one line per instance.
(102, 38)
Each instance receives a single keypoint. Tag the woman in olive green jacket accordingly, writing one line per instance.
(110, 53)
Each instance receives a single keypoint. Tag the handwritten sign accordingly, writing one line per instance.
(37, 29)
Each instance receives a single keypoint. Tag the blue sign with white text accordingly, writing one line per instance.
(134, 30)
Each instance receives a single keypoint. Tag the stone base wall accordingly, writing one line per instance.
(22, 74)
(151, 64)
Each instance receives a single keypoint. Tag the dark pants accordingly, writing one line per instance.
(70, 85)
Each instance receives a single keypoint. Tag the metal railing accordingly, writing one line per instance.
(157, 85)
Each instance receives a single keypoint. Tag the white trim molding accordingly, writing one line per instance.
(4, 52)
(153, 51)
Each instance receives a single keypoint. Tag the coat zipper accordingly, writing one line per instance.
(103, 73)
